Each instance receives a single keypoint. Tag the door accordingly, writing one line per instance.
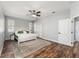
(64, 32)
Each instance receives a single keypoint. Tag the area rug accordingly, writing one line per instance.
(26, 48)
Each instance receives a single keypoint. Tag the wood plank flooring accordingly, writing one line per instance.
(7, 50)
(55, 50)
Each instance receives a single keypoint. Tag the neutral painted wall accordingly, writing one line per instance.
(74, 9)
(19, 24)
(2, 29)
(48, 27)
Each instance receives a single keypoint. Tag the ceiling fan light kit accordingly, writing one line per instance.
(35, 13)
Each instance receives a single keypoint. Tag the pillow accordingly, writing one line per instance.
(20, 32)
(27, 31)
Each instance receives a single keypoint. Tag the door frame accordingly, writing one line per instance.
(72, 31)
(73, 26)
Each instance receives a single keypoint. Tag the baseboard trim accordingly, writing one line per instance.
(53, 41)
(45, 39)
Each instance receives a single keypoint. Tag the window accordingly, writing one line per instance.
(1, 25)
(30, 26)
(11, 25)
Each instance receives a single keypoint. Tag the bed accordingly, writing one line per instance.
(21, 37)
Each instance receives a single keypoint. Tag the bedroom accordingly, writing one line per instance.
(39, 29)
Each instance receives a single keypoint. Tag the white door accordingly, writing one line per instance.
(64, 32)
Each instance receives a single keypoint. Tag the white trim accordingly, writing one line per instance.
(56, 41)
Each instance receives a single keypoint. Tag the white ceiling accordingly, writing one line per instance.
(20, 9)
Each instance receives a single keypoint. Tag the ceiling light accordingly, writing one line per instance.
(34, 15)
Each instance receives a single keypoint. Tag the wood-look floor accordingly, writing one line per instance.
(54, 50)
(7, 50)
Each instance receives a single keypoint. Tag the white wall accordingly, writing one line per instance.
(2, 29)
(48, 27)
(21, 25)
(74, 9)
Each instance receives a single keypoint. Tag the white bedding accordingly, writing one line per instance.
(26, 36)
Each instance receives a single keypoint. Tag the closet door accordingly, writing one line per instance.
(64, 34)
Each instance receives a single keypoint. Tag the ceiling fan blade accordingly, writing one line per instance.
(33, 12)
(39, 15)
(39, 12)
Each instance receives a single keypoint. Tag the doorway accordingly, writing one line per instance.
(76, 30)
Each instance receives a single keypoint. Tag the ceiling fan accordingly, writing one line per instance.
(35, 13)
